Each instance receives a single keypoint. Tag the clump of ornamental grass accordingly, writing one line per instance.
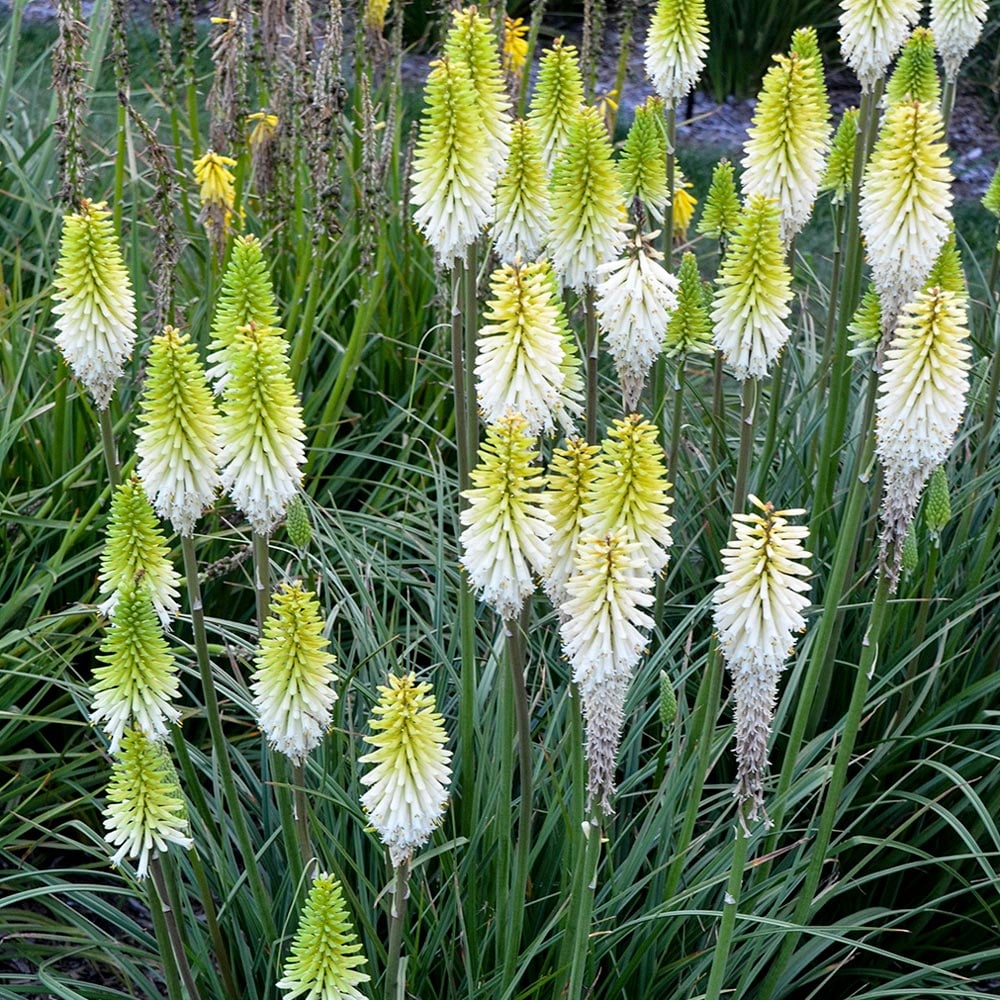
(786, 145)
(261, 432)
(757, 613)
(453, 170)
(177, 437)
(635, 296)
(217, 194)
(676, 46)
(472, 41)
(643, 162)
(568, 487)
(505, 540)
(293, 681)
(629, 492)
(957, 25)
(145, 812)
(604, 629)
(839, 174)
(722, 204)
(325, 962)
(520, 357)
(557, 100)
(522, 198)
(588, 211)
(915, 77)
(921, 399)
(871, 33)
(135, 552)
(905, 202)
(407, 783)
(94, 304)
(690, 328)
(137, 681)
(753, 292)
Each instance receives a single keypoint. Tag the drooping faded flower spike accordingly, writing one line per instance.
(261, 430)
(95, 308)
(786, 145)
(177, 438)
(246, 297)
(325, 961)
(453, 172)
(629, 494)
(905, 203)
(138, 679)
(145, 811)
(922, 391)
(522, 198)
(135, 551)
(292, 683)
(754, 291)
(472, 40)
(757, 612)
(643, 163)
(588, 211)
(519, 354)
(410, 773)
(635, 296)
(506, 528)
(676, 46)
(557, 100)
(568, 487)
(871, 33)
(690, 329)
(957, 25)
(603, 631)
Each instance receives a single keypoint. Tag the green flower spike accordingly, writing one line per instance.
(139, 677)
(786, 148)
(408, 782)
(722, 206)
(292, 683)
(95, 308)
(910, 558)
(567, 489)
(865, 327)
(991, 199)
(135, 550)
(753, 293)
(506, 528)
(947, 272)
(588, 211)
(247, 296)
(145, 811)
(871, 33)
(690, 329)
(915, 76)
(177, 439)
(453, 173)
(261, 431)
(629, 492)
(676, 46)
(520, 351)
(905, 203)
(937, 506)
(643, 163)
(472, 40)
(668, 701)
(324, 963)
(957, 25)
(557, 100)
(298, 526)
(522, 200)
(840, 163)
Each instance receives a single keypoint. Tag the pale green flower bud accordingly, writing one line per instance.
(557, 100)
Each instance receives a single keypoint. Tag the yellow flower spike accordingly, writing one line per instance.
(515, 45)
(264, 126)
(217, 192)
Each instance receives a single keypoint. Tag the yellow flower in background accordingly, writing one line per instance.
(684, 203)
(374, 17)
(515, 47)
(217, 182)
(264, 126)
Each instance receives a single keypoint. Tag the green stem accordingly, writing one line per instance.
(219, 744)
(718, 412)
(590, 325)
(119, 183)
(470, 310)
(287, 817)
(676, 419)
(748, 416)
(220, 951)
(818, 848)
(771, 435)
(730, 909)
(261, 578)
(165, 921)
(395, 985)
(670, 114)
(840, 236)
(919, 629)
(948, 101)
(110, 449)
(582, 905)
(301, 812)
